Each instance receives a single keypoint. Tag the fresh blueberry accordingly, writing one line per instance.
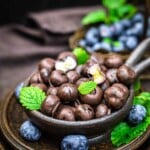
(82, 43)
(89, 48)
(97, 46)
(138, 28)
(139, 17)
(118, 46)
(18, 89)
(136, 114)
(131, 42)
(148, 22)
(29, 131)
(116, 29)
(106, 46)
(126, 23)
(74, 142)
(92, 36)
(130, 32)
(104, 31)
(122, 38)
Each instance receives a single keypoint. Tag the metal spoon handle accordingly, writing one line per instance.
(138, 53)
(145, 64)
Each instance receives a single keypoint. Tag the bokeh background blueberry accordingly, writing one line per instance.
(123, 35)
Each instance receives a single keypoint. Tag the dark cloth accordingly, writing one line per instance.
(43, 34)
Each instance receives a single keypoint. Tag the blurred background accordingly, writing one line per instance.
(15, 10)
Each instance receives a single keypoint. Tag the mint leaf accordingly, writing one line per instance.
(94, 17)
(119, 133)
(31, 97)
(81, 54)
(87, 87)
(126, 11)
(113, 4)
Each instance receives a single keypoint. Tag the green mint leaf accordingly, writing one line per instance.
(94, 17)
(107, 40)
(119, 134)
(87, 87)
(113, 4)
(126, 11)
(137, 86)
(81, 54)
(31, 97)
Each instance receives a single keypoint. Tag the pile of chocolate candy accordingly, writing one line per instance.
(64, 82)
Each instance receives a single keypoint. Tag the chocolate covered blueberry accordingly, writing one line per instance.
(73, 76)
(42, 86)
(105, 85)
(126, 74)
(116, 95)
(52, 91)
(102, 110)
(111, 75)
(47, 63)
(65, 112)
(65, 54)
(58, 77)
(113, 61)
(49, 104)
(84, 112)
(36, 78)
(94, 98)
(45, 73)
(67, 93)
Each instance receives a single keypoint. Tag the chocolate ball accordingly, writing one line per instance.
(65, 113)
(49, 104)
(126, 74)
(116, 95)
(58, 77)
(105, 85)
(52, 91)
(79, 69)
(102, 110)
(72, 76)
(42, 86)
(47, 63)
(65, 54)
(81, 80)
(45, 73)
(67, 92)
(113, 61)
(97, 58)
(111, 75)
(84, 112)
(36, 78)
(94, 98)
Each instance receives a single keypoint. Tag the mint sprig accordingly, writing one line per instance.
(123, 133)
(87, 87)
(81, 54)
(94, 17)
(31, 97)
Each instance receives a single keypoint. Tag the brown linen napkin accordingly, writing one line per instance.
(54, 25)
